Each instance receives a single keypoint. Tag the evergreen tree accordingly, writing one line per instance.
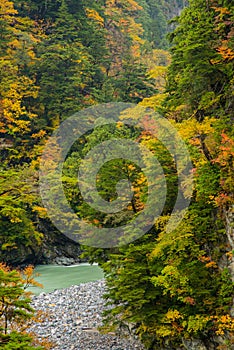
(199, 78)
(169, 287)
(160, 13)
(15, 308)
(64, 70)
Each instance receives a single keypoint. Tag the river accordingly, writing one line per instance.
(57, 277)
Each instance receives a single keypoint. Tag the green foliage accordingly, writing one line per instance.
(108, 177)
(15, 309)
(158, 25)
(133, 84)
(64, 69)
(13, 306)
(199, 78)
(165, 286)
(207, 181)
(18, 214)
(57, 57)
(168, 286)
(17, 341)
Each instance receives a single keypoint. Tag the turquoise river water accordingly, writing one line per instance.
(57, 277)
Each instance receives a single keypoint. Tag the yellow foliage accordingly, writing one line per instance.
(153, 101)
(9, 246)
(12, 107)
(211, 264)
(124, 33)
(197, 132)
(136, 51)
(157, 58)
(134, 5)
(195, 323)
(7, 10)
(164, 331)
(15, 220)
(28, 277)
(158, 71)
(119, 125)
(42, 212)
(128, 5)
(131, 167)
(192, 128)
(230, 255)
(141, 180)
(4, 267)
(91, 13)
(173, 315)
(39, 134)
(223, 323)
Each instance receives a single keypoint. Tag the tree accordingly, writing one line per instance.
(170, 287)
(133, 83)
(126, 74)
(124, 34)
(197, 78)
(15, 308)
(64, 70)
(19, 212)
(164, 287)
(18, 88)
(158, 25)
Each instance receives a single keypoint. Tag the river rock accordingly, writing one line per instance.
(74, 318)
(194, 344)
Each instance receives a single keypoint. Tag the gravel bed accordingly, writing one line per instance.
(74, 316)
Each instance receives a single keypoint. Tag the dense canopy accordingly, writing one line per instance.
(60, 57)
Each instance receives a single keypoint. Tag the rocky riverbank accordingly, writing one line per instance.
(74, 315)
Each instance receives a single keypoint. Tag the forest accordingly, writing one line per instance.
(174, 58)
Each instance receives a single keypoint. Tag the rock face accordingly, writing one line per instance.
(55, 248)
(229, 217)
(58, 248)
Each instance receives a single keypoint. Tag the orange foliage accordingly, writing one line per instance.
(189, 300)
(226, 52)
(27, 277)
(226, 161)
(223, 323)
